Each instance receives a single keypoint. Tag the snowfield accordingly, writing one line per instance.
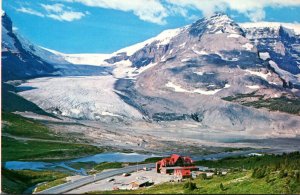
(90, 97)
(87, 59)
(178, 88)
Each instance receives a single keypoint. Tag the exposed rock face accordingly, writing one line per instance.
(206, 61)
(281, 44)
(18, 63)
(219, 23)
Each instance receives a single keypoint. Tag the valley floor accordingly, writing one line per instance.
(187, 137)
(94, 111)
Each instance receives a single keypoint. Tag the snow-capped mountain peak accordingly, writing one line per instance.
(161, 39)
(168, 77)
(218, 23)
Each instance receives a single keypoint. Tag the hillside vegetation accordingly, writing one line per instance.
(27, 139)
(282, 104)
(16, 182)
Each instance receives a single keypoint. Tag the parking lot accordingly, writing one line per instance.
(124, 182)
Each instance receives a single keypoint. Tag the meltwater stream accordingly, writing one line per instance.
(98, 158)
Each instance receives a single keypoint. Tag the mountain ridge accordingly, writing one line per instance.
(17, 62)
(181, 74)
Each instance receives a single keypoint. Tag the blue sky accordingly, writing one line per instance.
(104, 26)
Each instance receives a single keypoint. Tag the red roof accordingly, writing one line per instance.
(170, 161)
(175, 157)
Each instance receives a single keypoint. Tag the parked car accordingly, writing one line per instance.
(126, 174)
(146, 169)
(111, 179)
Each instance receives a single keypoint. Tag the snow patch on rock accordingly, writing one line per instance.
(104, 113)
(200, 52)
(178, 88)
(248, 46)
(199, 73)
(260, 74)
(208, 92)
(233, 36)
(264, 55)
(253, 86)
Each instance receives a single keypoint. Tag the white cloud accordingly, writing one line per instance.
(53, 8)
(156, 11)
(147, 10)
(30, 11)
(256, 15)
(62, 13)
(253, 9)
(55, 11)
(67, 16)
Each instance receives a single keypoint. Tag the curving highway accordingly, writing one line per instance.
(90, 179)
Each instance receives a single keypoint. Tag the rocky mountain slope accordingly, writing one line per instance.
(182, 74)
(204, 62)
(280, 45)
(17, 62)
(23, 60)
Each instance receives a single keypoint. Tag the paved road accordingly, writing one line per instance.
(34, 139)
(90, 179)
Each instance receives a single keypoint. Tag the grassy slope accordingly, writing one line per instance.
(50, 184)
(43, 149)
(234, 183)
(16, 182)
(35, 150)
(17, 125)
(47, 146)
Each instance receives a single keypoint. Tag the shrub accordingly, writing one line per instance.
(190, 186)
(222, 187)
(259, 173)
(297, 176)
(283, 174)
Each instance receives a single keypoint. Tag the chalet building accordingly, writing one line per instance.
(180, 166)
